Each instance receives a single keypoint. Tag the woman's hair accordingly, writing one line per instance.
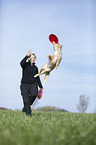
(34, 55)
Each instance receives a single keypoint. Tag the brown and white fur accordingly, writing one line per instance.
(54, 61)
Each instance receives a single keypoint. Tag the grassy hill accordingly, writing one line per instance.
(47, 128)
(51, 108)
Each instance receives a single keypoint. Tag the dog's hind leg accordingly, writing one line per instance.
(37, 75)
(40, 74)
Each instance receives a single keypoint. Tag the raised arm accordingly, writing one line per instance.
(23, 61)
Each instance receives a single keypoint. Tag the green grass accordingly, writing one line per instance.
(47, 128)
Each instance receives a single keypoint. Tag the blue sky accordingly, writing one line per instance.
(27, 25)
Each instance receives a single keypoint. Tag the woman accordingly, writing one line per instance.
(29, 84)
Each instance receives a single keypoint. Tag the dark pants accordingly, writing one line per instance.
(29, 93)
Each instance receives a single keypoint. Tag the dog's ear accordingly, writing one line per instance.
(61, 46)
(50, 57)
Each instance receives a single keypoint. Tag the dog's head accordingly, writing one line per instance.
(57, 46)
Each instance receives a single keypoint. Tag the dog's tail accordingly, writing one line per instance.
(46, 77)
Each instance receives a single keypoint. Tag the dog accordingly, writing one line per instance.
(53, 62)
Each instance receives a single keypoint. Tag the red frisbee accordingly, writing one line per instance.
(40, 92)
(53, 38)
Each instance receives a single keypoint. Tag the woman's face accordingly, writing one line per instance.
(32, 59)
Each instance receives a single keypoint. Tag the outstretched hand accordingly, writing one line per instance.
(41, 89)
(29, 52)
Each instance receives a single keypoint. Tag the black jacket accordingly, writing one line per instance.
(28, 72)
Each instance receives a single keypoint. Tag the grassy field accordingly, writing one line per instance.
(47, 128)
